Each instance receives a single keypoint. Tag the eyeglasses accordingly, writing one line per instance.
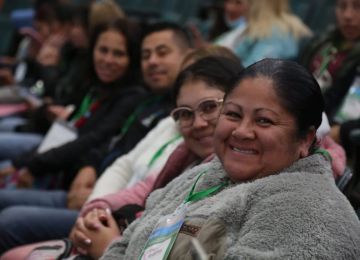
(207, 109)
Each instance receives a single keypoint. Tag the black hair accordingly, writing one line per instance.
(181, 35)
(120, 25)
(297, 89)
(218, 72)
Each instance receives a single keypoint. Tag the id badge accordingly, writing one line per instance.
(162, 238)
(350, 108)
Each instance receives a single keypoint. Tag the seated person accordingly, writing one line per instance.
(259, 198)
(333, 58)
(270, 30)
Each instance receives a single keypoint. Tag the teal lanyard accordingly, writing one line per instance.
(161, 150)
(195, 196)
(84, 107)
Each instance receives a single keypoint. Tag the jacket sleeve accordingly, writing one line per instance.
(117, 175)
(136, 194)
(65, 155)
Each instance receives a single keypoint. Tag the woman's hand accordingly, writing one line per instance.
(76, 198)
(93, 233)
(57, 112)
(78, 237)
(85, 178)
(78, 233)
(101, 230)
(81, 187)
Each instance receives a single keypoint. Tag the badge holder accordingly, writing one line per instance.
(162, 238)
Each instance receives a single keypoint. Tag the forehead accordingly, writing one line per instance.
(194, 91)
(111, 38)
(255, 92)
(161, 38)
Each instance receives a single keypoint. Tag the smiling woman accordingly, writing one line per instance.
(257, 127)
(269, 194)
(111, 57)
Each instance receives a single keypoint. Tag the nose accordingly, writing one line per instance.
(108, 58)
(153, 59)
(244, 130)
(349, 12)
(199, 122)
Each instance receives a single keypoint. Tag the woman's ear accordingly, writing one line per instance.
(306, 142)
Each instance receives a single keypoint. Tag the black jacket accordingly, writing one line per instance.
(334, 96)
(152, 110)
(104, 123)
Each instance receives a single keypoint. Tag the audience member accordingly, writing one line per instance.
(333, 58)
(259, 198)
(109, 102)
(265, 29)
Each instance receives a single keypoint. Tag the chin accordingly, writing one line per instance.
(239, 173)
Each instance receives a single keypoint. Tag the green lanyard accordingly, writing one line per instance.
(160, 151)
(327, 56)
(325, 153)
(85, 104)
(130, 120)
(195, 196)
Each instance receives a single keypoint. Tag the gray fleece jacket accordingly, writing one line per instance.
(296, 214)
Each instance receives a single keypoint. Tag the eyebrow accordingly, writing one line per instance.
(161, 47)
(157, 48)
(256, 110)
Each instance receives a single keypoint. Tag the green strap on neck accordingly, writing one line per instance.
(325, 153)
(195, 196)
(160, 151)
(84, 107)
(327, 56)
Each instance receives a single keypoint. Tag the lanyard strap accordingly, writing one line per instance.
(161, 150)
(327, 56)
(130, 120)
(325, 153)
(84, 107)
(195, 196)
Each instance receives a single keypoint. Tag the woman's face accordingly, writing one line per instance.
(255, 135)
(111, 58)
(348, 18)
(199, 135)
